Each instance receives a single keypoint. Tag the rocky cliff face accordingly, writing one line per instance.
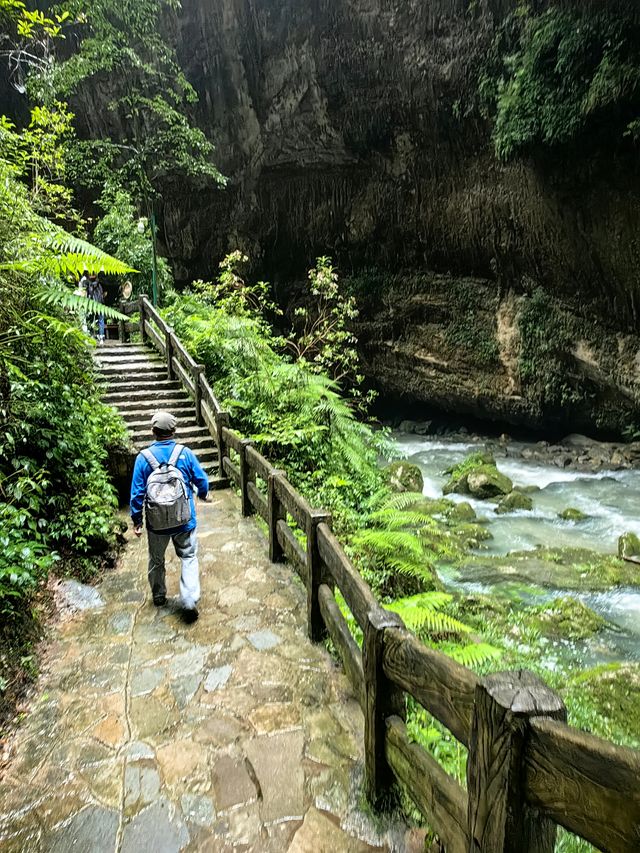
(344, 129)
(341, 126)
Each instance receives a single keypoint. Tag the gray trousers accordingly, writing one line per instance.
(186, 545)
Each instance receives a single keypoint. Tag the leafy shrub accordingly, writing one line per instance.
(296, 415)
(122, 233)
(553, 77)
(546, 336)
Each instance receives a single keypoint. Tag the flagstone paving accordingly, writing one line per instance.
(232, 734)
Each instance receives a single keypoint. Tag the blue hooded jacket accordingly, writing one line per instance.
(191, 470)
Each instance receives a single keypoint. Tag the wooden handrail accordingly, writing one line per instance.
(585, 784)
(445, 688)
(527, 769)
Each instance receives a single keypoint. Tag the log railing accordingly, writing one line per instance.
(527, 770)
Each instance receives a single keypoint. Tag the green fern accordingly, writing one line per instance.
(389, 542)
(472, 655)
(49, 296)
(423, 613)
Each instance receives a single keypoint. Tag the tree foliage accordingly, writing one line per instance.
(147, 137)
(562, 75)
(121, 232)
(56, 502)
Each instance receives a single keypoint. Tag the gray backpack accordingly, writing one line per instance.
(166, 502)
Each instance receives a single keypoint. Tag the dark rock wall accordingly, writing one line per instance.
(337, 124)
(346, 127)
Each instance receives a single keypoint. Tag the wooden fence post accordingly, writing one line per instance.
(275, 511)
(382, 699)
(143, 334)
(316, 574)
(168, 341)
(246, 477)
(198, 370)
(499, 819)
(222, 420)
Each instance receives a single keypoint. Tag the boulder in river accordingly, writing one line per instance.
(568, 618)
(404, 476)
(628, 545)
(487, 482)
(555, 568)
(460, 473)
(513, 501)
(572, 514)
(463, 512)
(575, 439)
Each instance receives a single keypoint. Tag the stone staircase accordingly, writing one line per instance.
(136, 384)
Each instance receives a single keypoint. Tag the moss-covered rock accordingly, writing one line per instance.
(564, 568)
(477, 475)
(628, 545)
(404, 476)
(513, 501)
(606, 700)
(487, 482)
(456, 486)
(463, 511)
(572, 514)
(568, 618)
(470, 463)
(470, 536)
(433, 506)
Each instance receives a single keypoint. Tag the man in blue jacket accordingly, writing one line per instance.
(184, 538)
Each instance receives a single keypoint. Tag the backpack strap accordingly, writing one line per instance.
(175, 454)
(151, 459)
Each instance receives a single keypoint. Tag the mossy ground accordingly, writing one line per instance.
(557, 568)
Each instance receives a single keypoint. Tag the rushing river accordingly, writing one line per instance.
(610, 499)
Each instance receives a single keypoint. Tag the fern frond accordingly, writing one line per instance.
(400, 500)
(73, 302)
(423, 612)
(50, 260)
(475, 654)
(408, 567)
(392, 519)
(389, 542)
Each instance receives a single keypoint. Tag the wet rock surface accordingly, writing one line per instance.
(235, 733)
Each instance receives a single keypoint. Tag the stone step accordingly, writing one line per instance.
(103, 355)
(140, 417)
(186, 421)
(207, 456)
(118, 349)
(195, 442)
(208, 459)
(185, 432)
(138, 404)
(125, 365)
(149, 371)
(143, 385)
(145, 377)
(151, 393)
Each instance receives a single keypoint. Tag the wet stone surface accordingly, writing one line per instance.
(231, 734)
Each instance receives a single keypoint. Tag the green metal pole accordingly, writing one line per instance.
(154, 265)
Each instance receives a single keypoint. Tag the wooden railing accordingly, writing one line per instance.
(527, 770)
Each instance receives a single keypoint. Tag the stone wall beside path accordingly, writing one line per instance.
(232, 734)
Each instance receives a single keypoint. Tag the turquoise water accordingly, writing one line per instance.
(610, 499)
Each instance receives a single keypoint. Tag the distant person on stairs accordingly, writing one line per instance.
(164, 477)
(95, 291)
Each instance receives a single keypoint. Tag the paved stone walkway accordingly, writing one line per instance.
(233, 734)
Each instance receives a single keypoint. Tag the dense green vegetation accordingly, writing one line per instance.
(57, 505)
(301, 423)
(564, 75)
